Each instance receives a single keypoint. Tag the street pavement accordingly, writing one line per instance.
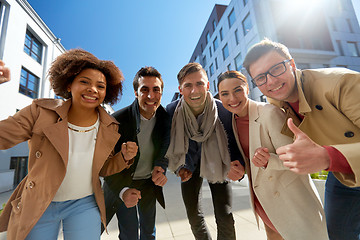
(172, 223)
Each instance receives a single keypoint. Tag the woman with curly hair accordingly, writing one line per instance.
(71, 144)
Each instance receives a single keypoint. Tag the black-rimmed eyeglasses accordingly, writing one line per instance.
(274, 71)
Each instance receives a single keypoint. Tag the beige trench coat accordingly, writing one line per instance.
(44, 124)
(291, 201)
(329, 100)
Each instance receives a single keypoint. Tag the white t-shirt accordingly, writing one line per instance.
(77, 182)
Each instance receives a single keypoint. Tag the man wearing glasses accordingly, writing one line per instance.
(324, 104)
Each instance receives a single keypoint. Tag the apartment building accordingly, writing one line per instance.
(319, 34)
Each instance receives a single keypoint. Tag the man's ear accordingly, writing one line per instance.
(180, 90)
(208, 86)
(136, 94)
(292, 64)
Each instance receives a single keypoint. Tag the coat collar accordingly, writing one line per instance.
(57, 133)
(62, 109)
(135, 112)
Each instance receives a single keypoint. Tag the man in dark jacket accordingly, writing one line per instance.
(201, 136)
(134, 191)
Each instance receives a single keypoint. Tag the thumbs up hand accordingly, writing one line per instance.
(303, 156)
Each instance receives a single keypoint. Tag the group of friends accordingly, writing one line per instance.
(311, 123)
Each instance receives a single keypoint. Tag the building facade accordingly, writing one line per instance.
(319, 33)
(28, 47)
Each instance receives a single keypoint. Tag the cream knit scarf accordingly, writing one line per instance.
(215, 157)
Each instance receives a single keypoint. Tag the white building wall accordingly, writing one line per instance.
(16, 18)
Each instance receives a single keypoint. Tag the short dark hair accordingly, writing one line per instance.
(260, 49)
(188, 69)
(69, 64)
(146, 72)
(231, 74)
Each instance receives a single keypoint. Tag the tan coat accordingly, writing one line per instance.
(44, 123)
(330, 101)
(290, 200)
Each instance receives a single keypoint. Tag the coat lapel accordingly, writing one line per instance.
(254, 136)
(108, 136)
(58, 133)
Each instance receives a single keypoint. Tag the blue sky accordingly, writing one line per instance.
(133, 34)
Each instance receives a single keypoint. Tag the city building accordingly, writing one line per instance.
(28, 47)
(319, 33)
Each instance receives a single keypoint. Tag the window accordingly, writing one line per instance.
(204, 61)
(225, 51)
(216, 64)
(353, 49)
(214, 25)
(29, 84)
(341, 51)
(333, 24)
(350, 26)
(214, 82)
(210, 51)
(33, 47)
(229, 67)
(202, 48)
(207, 37)
(19, 164)
(215, 44)
(231, 18)
(341, 5)
(221, 34)
(211, 68)
(236, 37)
(245, 2)
(238, 65)
(246, 24)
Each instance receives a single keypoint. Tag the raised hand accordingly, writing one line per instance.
(261, 157)
(131, 197)
(158, 176)
(129, 150)
(185, 174)
(303, 155)
(237, 170)
(4, 73)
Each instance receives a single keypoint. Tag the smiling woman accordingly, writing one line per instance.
(71, 145)
(257, 127)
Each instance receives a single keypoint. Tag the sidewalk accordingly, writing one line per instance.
(172, 223)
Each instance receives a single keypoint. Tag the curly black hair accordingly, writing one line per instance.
(69, 64)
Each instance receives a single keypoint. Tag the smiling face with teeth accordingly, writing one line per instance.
(233, 93)
(283, 87)
(149, 94)
(194, 88)
(88, 89)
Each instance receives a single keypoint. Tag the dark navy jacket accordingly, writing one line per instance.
(129, 119)
(193, 155)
